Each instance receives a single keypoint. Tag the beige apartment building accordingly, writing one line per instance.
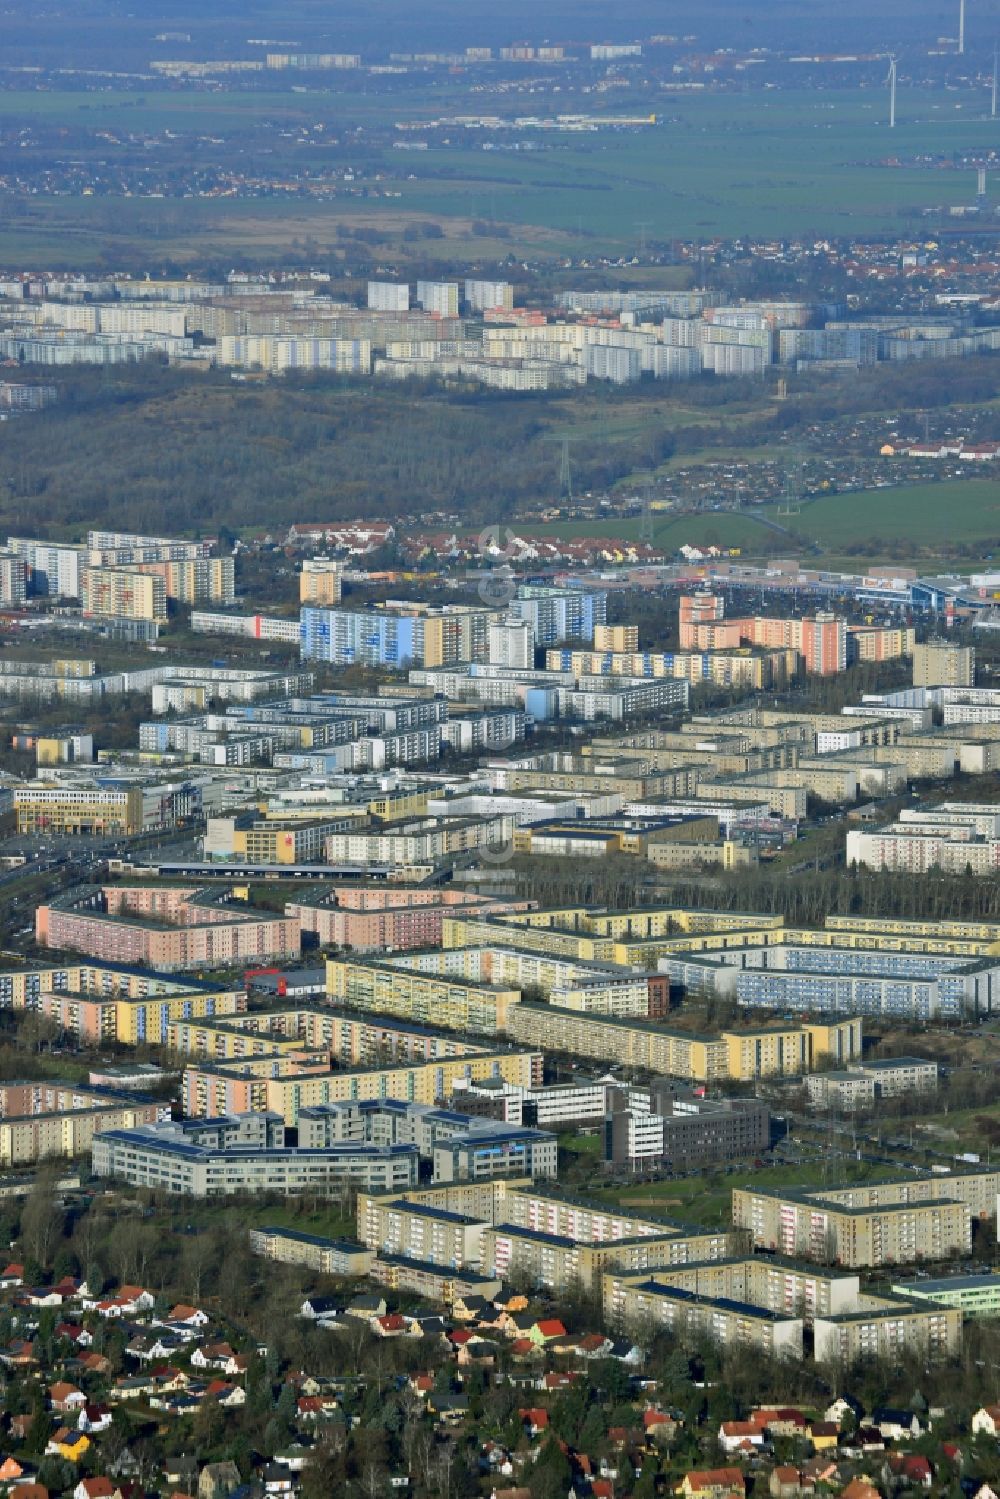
(815, 1227)
(426, 998)
(514, 1227)
(767, 1302)
(942, 663)
(123, 593)
(321, 581)
(25, 1139)
(735, 1055)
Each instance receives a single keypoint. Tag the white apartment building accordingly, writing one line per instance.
(438, 296)
(388, 296)
(511, 643)
(487, 296)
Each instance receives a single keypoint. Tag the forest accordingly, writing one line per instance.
(148, 448)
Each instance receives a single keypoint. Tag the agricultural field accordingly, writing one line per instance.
(710, 166)
(889, 524)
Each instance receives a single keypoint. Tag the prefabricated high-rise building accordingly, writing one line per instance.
(388, 296)
(438, 296)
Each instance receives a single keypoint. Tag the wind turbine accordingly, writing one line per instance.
(961, 27)
(993, 95)
(891, 81)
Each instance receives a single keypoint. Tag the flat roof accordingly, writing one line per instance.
(724, 1303)
(943, 1283)
(440, 1215)
(350, 1246)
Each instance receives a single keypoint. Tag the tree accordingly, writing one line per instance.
(326, 1472)
(42, 1219)
(552, 1473)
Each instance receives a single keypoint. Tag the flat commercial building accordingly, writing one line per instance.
(78, 809)
(684, 1133)
(245, 1155)
(971, 1295)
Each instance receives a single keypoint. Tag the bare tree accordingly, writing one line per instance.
(42, 1218)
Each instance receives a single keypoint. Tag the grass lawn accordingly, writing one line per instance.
(926, 514)
(707, 1200)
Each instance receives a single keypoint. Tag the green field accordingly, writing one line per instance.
(870, 525)
(762, 163)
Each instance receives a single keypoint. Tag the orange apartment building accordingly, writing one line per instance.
(166, 928)
(820, 639)
(388, 920)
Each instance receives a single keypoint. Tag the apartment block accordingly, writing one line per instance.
(388, 296)
(438, 296)
(384, 925)
(849, 1228)
(26, 1138)
(123, 593)
(165, 927)
(942, 663)
(766, 1303)
(321, 581)
(951, 837)
(859, 1085)
(324, 1256)
(52, 570)
(681, 1054)
(655, 1302)
(195, 580)
(802, 974)
(287, 1084)
(516, 1228)
(879, 643)
(245, 1155)
(427, 998)
(486, 296)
